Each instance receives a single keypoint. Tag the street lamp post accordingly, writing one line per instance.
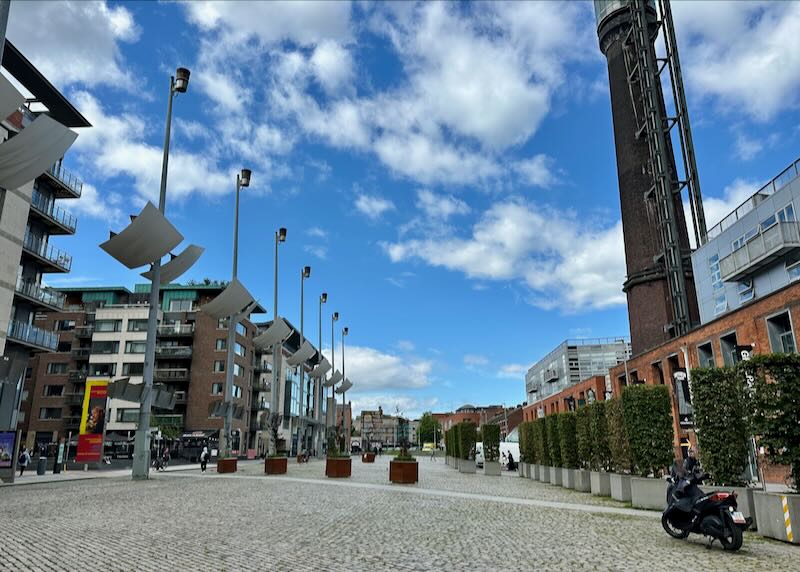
(280, 236)
(319, 391)
(345, 331)
(304, 273)
(242, 180)
(334, 319)
(178, 83)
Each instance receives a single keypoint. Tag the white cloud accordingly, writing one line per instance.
(475, 359)
(75, 42)
(373, 207)
(440, 206)
(513, 371)
(95, 206)
(320, 252)
(332, 65)
(746, 147)
(370, 369)
(537, 171)
(405, 345)
(409, 406)
(317, 232)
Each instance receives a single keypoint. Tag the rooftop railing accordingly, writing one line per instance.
(66, 178)
(47, 251)
(48, 208)
(32, 335)
(46, 296)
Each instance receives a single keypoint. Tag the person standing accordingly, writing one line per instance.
(24, 460)
(204, 459)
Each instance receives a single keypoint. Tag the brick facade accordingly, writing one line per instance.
(558, 403)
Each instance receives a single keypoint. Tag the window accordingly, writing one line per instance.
(781, 337)
(219, 366)
(108, 325)
(53, 391)
(720, 301)
(65, 325)
(768, 222)
(793, 267)
(135, 347)
(705, 355)
(50, 413)
(238, 370)
(64, 347)
(103, 369)
(127, 415)
(237, 392)
(181, 305)
(137, 325)
(239, 349)
(105, 347)
(216, 388)
(728, 345)
(786, 214)
(241, 330)
(222, 324)
(742, 240)
(746, 291)
(133, 369)
(57, 368)
(222, 344)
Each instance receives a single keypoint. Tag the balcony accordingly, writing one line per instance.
(166, 420)
(178, 352)
(171, 375)
(31, 336)
(77, 375)
(73, 398)
(45, 297)
(550, 375)
(176, 330)
(65, 184)
(85, 331)
(57, 219)
(260, 405)
(53, 259)
(263, 367)
(81, 353)
(261, 385)
(760, 251)
(72, 422)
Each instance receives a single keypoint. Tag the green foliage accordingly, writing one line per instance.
(647, 414)
(776, 404)
(429, 429)
(553, 439)
(722, 420)
(491, 442)
(568, 443)
(617, 437)
(523, 443)
(466, 436)
(598, 429)
(583, 436)
(540, 440)
(457, 439)
(530, 444)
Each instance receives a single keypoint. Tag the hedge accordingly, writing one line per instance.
(618, 437)
(553, 439)
(540, 439)
(568, 443)
(491, 442)
(647, 412)
(598, 429)
(583, 436)
(466, 436)
(530, 446)
(523, 441)
(776, 404)
(722, 422)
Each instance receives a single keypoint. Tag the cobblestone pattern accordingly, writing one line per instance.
(228, 523)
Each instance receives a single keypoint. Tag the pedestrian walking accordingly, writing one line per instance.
(433, 455)
(165, 458)
(204, 456)
(24, 460)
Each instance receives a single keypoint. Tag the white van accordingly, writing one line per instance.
(506, 447)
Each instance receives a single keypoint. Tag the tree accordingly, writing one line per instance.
(428, 426)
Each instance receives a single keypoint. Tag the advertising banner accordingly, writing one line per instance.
(7, 439)
(93, 421)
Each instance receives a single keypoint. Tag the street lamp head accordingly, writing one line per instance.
(345, 331)
(244, 178)
(306, 271)
(335, 316)
(323, 297)
(182, 80)
(281, 234)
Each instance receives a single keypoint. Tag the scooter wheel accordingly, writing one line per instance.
(672, 530)
(734, 540)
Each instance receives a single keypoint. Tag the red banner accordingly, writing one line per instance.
(93, 422)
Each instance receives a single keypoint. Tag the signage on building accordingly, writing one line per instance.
(93, 421)
(683, 390)
(7, 441)
(745, 353)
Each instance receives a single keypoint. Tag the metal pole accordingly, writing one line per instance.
(225, 441)
(5, 5)
(344, 380)
(301, 368)
(273, 408)
(333, 370)
(141, 448)
(318, 393)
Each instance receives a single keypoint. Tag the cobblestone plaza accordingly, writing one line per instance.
(183, 520)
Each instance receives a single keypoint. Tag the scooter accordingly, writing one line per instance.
(715, 515)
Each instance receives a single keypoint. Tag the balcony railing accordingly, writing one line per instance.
(176, 330)
(73, 398)
(85, 331)
(31, 335)
(81, 353)
(261, 385)
(163, 420)
(174, 351)
(55, 213)
(77, 375)
(66, 178)
(45, 296)
(760, 251)
(171, 374)
(42, 249)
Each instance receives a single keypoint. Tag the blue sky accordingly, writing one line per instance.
(447, 170)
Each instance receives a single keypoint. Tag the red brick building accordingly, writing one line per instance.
(577, 395)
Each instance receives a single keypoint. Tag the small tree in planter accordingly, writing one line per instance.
(491, 450)
(404, 468)
(523, 443)
(569, 448)
(337, 462)
(583, 436)
(598, 428)
(275, 463)
(647, 414)
(553, 439)
(542, 450)
(466, 446)
(617, 437)
(530, 444)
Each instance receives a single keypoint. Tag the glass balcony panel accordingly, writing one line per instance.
(26, 333)
(46, 296)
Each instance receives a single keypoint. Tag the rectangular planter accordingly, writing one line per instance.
(621, 487)
(568, 478)
(338, 467)
(275, 465)
(544, 474)
(770, 516)
(521, 469)
(535, 472)
(583, 483)
(555, 475)
(368, 457)
(601, 483)
(403, 472)
(466, 466)
(648, 493)
(492, 468)
(227, 465)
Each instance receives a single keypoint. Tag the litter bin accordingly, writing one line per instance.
(41, 467)
(56, 467)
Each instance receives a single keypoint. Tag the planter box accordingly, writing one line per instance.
(648, 493)
(568, 478)
(226, 465)
(521, 469)
(403, 472)
(535, 472)
(744, 498)
(275, 465)
(544, 474)
(601, 483)
(621, 487)
(770, 517)
(466, 466)
(583, 483)
(555, 475)
(338, 467)
(492, 468)
(368, 458)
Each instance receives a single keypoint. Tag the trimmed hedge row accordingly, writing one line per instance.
(490, 436)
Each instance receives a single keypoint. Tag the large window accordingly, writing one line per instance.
(181, 305)
(221, 344)
(728, 345)
(781, 337)
(103, 369)
(237, 392)
(239, 349)
(135, 347)
(720, 301)
(57, 368)
(217, 388)
(53, 391)
(746, 291)
(137, 325)
(238, 370)
(129, 415)
(705, 355)
(240, 329)
(105, 347)
(48, 413)
(133, 369)
(65, 325)
(219, 366)
(108, 325)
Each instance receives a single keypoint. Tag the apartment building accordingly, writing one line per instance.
(30, 216)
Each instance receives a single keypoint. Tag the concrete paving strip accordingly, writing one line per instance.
(443, 493)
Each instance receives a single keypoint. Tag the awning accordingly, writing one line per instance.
(149, 237)
(231, 301)
(32, 151)
(322, 368)
(344, 387)
(276, 333)
(301, 355)
(335, 378)
(10, 98)
(178, 265)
